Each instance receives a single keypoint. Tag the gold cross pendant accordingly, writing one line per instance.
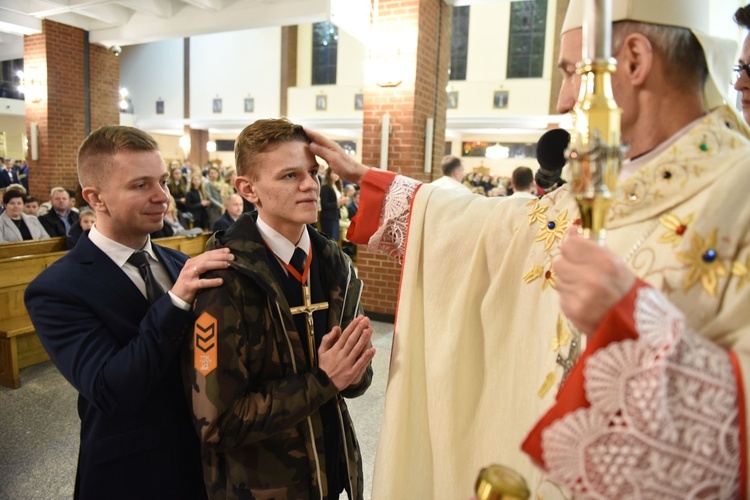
(308, 308)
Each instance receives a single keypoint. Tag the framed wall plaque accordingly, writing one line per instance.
(249, 105)
(500, 99)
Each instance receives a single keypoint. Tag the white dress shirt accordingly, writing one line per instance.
(279, 245)
(120, 254)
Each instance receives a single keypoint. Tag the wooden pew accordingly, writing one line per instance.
(190, 246)
(19, 345)
(33, 247)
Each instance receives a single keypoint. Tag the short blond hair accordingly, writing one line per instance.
(56, 189)
(97, 152)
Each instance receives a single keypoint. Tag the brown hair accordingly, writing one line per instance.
(742, 16)
(96, 154)
(257, 136)
(328, 180)
(522, 178)
(449, 164)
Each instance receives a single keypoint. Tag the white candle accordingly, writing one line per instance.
(597, 30)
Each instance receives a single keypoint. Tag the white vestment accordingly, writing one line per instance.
(478, 329)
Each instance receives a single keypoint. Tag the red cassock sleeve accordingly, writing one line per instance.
(374, 187)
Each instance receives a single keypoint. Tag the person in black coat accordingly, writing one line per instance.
(331, 201)
(234, 207)
(60, 218)
(106, 329)
(197, 202)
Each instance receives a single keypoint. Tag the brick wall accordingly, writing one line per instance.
(58, 55)
(425, 58)
(104, 87)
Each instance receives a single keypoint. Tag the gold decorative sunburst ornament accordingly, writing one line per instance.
(551, 231)
(742, 271)
(538, 213)
(704, 264)
(676, 228)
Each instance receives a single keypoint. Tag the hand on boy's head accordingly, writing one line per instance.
(189, 281)
(343, 164)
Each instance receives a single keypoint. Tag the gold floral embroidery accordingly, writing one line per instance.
(551, 231)
(549, 279)
(538, 213)
(703, 263)
(536, 272)
(549, 381)
(675, 228)
(741, 271)
(562, 336)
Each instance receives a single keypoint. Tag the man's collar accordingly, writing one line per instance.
(279, 245)
(116, 251)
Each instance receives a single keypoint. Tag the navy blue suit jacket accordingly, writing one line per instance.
(5, 178)
(122, 355)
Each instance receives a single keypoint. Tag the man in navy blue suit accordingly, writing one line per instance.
(7, 177)
(114, 333)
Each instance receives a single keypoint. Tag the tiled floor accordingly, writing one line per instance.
(39, 428)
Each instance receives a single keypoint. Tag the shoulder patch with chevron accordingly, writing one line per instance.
(204, 347)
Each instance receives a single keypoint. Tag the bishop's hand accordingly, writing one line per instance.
(345, 356)
(343, 164)
(590, 280)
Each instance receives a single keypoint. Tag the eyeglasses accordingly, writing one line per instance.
(738, 71)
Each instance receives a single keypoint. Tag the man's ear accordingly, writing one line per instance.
(636, 58)
(91, 195)
(246, 188)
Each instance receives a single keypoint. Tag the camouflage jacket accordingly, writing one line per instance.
(255, 399)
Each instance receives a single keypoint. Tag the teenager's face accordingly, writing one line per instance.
(286, 189)
(132, 201)
(31, 208)
(196, 181)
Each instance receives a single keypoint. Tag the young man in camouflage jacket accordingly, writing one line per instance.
(267, 383)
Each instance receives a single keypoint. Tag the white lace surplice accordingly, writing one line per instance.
(663, 421)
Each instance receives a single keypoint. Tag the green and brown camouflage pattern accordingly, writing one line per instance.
(257, 412)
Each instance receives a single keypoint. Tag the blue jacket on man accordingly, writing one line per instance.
(122, 355)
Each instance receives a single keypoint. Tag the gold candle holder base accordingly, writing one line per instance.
(497, 482)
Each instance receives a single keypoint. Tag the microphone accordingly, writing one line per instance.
(550, 153)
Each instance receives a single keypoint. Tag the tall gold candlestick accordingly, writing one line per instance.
(595, 153)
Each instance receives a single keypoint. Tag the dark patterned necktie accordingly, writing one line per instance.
(154, 291)
(298, 260)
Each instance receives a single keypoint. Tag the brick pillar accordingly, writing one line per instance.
(57, 56)
(423, 30)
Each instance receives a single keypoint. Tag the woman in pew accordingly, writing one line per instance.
(16, 225)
